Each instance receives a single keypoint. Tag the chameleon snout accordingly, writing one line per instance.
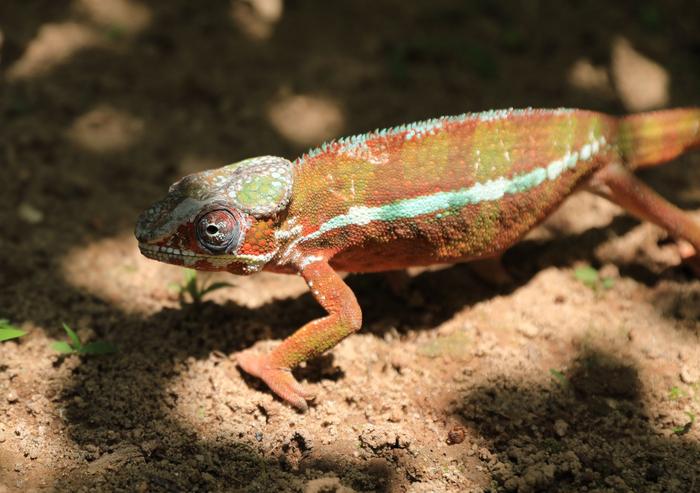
(144, 228)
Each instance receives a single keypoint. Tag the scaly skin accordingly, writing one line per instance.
(446, 190)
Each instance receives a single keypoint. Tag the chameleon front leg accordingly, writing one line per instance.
(618, 184)
(344, 317)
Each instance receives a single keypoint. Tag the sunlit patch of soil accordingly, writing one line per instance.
(115, 270)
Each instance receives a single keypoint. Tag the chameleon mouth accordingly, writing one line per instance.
(158, 252)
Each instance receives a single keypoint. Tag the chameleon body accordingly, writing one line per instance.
(445, 190)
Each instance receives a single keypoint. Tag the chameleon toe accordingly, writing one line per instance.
(279, 380)
(249, 361)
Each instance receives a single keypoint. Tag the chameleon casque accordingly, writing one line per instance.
(445, 190)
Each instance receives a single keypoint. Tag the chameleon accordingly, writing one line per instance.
(439, 191)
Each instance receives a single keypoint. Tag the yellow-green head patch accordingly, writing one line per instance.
(260, 186)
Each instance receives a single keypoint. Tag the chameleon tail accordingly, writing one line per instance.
(647, 139)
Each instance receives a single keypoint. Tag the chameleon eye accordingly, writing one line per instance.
(218, 230)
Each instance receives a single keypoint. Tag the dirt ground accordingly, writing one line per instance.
(547, 384)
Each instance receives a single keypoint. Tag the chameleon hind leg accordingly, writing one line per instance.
(344, 317)
(617, 183)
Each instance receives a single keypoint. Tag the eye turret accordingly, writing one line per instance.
(218, 230)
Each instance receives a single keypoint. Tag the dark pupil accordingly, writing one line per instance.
(218, 230)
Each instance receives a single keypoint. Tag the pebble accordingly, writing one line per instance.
(12, 397)
(689, 375)
(456, 435)
(561, 427)
(528, 329)
(30, 214)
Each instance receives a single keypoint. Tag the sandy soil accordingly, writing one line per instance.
(546, 384)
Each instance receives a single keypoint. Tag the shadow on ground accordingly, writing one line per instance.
(587, 430)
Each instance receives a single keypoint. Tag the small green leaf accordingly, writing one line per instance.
(62, 347)
(559, 377)
(174, 287)
(190, 275)
(608, 283)
(9, 331)
(587, 275)
(682, 430)
(675, 393)
(196, 289)
(98, 347)
(73, 336)
(191, 287)
(6, 334)
(214, 286)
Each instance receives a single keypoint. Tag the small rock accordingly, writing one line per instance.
(689, 375)
(12, 397)
(456, 435)
(561, 427)
(485, 455)
(528, 329)
(30, 214)
(150, 446)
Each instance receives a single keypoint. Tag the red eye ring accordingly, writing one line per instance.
(218, 230)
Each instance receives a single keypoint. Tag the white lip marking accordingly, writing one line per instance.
(162, 253)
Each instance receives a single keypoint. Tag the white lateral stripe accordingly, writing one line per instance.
(479, 192)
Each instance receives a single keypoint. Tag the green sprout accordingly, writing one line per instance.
(559, 377)
(9, 331)
(682, 430)
(75, 346)
(196, 290)
(590, 277)
(675, 393)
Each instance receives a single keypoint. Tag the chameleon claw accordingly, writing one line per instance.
(690, 257)
(280, 380)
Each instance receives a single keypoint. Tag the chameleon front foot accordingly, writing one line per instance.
(280, 380)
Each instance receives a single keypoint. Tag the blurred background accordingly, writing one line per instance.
(105, 103)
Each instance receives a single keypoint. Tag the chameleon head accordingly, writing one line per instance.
(221, 219)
